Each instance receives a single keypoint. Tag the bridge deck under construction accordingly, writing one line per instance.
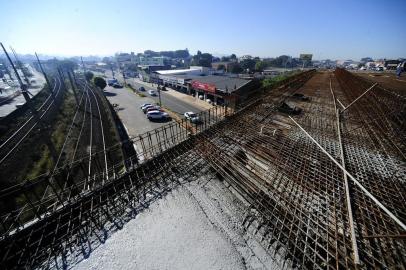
(344, 208)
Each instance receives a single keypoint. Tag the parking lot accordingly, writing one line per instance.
(128, 108)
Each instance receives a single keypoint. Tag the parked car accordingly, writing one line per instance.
(157, 115)
(192, 117)
(142, 89)
(154, 108)
(152, 92)
(145, 109)
(117, 85)
(144, 105)
(111, 82)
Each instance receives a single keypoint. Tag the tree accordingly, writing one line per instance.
(67, 65)
(88, 75)
(236, 69)
(260, 65)
(225, 59)
(233, 57)
(221, 67)
(100, 82)
(248, 64)
(202, 59)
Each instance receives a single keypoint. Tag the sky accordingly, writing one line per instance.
(329, 29)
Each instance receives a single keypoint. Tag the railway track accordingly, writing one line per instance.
(9, 146)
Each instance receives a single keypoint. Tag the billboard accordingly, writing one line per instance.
(306, 57)
(208, 87)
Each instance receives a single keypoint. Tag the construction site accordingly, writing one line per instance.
(311, 171)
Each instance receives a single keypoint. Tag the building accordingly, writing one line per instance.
(151, 61)
(126, 58)
(201, 83)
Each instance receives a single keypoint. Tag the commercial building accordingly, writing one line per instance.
(201, 83)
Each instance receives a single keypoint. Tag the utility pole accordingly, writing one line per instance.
(20, 65)
(62, 78)
(159, 95)
(45, 75)
(73, 87)
(83, 65)
(8, 71)
(122, 72)
(22, 86)
(112, 70)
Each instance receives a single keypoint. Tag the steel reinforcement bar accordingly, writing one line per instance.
(50, 229)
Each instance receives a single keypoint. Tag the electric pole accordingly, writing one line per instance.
(20, 65)
(22, 86)
(45, 75)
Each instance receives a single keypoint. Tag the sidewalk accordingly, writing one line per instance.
(184, 97)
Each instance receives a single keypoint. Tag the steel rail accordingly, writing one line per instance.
(29, 131)
(26, 122)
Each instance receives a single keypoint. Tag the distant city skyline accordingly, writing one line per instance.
(326, 29)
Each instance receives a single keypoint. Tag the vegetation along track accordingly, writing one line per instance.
(10, 144)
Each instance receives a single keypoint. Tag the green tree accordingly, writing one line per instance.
(100, 82)
(236, 69)
(260, 65)
(225, 59)
(67, 65)
(248, 64)
(202, 59)
(221, 67)
(233, 57)
(89, 75)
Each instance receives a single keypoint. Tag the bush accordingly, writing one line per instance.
(100, 82)
(89, 75)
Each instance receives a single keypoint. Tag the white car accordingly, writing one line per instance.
(144, 105)
(152, 92)
(157, 115)
(145, 108)
(192, 117)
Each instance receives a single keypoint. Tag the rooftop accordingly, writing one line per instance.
(222, 82)
(176, 71)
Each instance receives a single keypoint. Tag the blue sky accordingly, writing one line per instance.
(328, 29)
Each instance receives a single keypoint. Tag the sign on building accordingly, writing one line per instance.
(208, 87)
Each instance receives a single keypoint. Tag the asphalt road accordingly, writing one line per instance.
(168, 101)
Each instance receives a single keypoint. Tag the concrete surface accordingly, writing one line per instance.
(196, 226)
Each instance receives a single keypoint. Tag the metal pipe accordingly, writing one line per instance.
(347, 188)
(369, 89)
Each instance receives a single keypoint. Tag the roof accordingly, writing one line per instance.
(176, 71)
(223, 83)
